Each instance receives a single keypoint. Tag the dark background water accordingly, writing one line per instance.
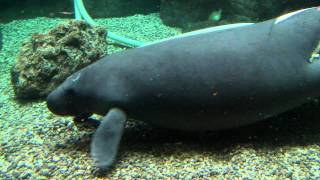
(187, 14)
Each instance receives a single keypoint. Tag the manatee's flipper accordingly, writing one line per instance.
(105, 142)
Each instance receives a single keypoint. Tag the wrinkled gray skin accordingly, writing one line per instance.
(209, 81)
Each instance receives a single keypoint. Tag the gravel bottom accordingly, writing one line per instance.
(35, 144)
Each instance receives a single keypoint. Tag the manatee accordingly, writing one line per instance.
(201, 81)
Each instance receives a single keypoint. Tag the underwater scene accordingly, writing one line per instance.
(159, 89)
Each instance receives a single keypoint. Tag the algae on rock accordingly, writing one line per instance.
(46, 60)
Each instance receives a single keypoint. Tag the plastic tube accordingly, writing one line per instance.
(81, 12)
(76, 11)
(119, 39)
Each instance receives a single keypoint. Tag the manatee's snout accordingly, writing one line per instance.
(55, 103)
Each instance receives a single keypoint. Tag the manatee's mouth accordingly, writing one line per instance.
(60, 104)
(54, 105)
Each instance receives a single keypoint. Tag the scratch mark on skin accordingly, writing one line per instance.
(76, 78)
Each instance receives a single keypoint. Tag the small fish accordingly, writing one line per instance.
(66, 13)
(314, 57)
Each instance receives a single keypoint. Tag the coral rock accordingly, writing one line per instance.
(47, 59)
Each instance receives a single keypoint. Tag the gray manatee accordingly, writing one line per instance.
(200, 81)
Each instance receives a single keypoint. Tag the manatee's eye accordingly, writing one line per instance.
(70, 92)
